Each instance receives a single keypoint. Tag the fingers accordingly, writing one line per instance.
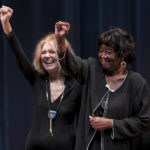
(93, 120)
(95, 123)
(61, 23)
(5, 9)
(100, 123)
(5, 14)
(62, 26)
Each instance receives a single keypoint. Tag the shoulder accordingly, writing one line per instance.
(136, 77)
(93, 63)
(137, 80)
(92, 60)
(72, 82)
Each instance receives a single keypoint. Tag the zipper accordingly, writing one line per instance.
(93, 115)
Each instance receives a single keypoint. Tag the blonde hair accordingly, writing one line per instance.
(37, 54)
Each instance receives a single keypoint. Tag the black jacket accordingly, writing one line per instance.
(39, 137)
(128, 106)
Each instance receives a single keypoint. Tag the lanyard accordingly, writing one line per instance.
(52, 113)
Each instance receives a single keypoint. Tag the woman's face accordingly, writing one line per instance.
(49, 57)
(108, 59)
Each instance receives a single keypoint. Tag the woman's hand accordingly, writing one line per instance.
(100, 123)
(61, 30)
(5, 15)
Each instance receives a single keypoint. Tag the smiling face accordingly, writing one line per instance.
(49, 57)
(108, 59)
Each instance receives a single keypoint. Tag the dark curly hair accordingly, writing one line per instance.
(121, 41)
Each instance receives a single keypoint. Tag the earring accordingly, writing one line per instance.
(123, 64)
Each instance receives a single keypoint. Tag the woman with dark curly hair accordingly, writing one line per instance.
(115, 109)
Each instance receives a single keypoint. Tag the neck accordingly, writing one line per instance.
(53, 76)
(116, 80)
(120, 71)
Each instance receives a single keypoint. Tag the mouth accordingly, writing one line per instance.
(105, 61)
(48, 61)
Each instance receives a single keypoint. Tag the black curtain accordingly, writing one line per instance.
(32, 19)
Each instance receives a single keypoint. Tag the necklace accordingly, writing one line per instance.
(113, 90)
(52, 113)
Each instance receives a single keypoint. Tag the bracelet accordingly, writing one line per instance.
(63, 56)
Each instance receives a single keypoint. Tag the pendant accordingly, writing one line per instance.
(51, 114)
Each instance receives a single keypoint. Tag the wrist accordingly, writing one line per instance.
(61, 57)
(61, 46)
(110, 123)
(7, 27)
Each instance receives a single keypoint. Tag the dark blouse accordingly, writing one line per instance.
(39, 137)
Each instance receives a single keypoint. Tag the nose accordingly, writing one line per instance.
(103, 54)
(47, 55)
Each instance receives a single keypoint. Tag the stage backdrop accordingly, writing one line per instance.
(34, 18)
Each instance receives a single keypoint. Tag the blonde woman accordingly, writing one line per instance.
(56, 94)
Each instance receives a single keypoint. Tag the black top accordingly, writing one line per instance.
(128, 106)
(39, 137)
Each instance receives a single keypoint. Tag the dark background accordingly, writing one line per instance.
(34, 18)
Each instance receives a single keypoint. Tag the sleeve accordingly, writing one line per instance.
(75, 66)
(20, 57)
(138, 123)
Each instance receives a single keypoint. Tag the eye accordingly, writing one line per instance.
(43, 52)
(101, 50)
(109, 52)
(52, 51)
